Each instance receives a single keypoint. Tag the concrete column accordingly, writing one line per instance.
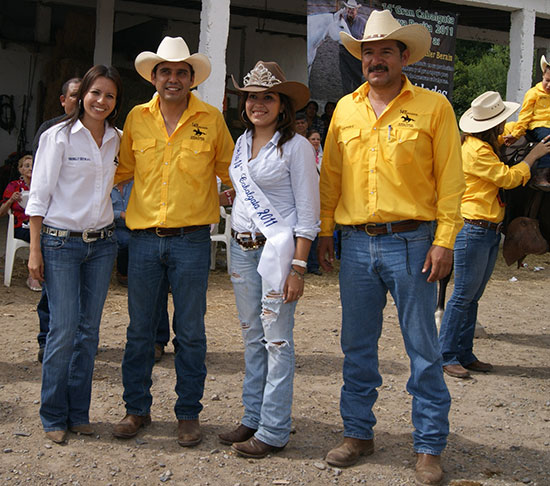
(105, 19)
(520, 74)
(213, 44)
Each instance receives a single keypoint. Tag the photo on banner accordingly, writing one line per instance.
(333, 72)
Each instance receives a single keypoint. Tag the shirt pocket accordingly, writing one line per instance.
(402, 146)
(269, 172)
(349, 141)
(194, 156)
(144, 154)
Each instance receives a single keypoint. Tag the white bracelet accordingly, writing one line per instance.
(299, 263)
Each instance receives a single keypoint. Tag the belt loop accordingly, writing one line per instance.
(389, 228)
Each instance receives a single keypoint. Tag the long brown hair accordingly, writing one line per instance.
(98, 71)
(490, 136)
(285, 122)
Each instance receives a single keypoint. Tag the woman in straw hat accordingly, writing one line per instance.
(275, 217)
(73, 246)
(476, 245)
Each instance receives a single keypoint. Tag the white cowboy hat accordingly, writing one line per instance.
(173, 49)
(382, 26)
(487, 111)
(268, 76)
(352, 4)
(543, 63)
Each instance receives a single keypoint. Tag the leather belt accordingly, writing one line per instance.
(249, 241)
(484, 224)
(375, 229)
(162, 232)
(88, 235)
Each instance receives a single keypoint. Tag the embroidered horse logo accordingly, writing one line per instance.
(407, 118)
(198, 132)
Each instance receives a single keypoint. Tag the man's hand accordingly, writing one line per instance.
(440, 260)
(509, 140)
(325, 252)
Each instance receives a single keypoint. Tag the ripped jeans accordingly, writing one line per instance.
(266, 325)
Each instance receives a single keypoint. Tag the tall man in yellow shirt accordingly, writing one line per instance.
(392, 176)
(173, 147)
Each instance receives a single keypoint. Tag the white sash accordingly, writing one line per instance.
(278, 251)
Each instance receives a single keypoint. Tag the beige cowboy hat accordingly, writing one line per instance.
(268, 76)
(173, 49)
(543, 63)
(486, 111)
(352, 4)
(381, 25)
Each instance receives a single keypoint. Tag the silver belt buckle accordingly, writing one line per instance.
(86, 238)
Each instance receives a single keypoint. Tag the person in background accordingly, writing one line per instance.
(12, 199)
(325, 118)
(350, 67)
(392, 177)
(173, 147)
(272, 233)
(313, 120)
(300, 125)
(73, 246)
(314, 138)
(476, 246)
(534, 119)
(69, 101)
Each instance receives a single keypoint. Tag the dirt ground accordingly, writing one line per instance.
(500, 422)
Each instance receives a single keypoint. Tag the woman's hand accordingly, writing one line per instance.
(294, 286)
(36, 264)
(540, 149)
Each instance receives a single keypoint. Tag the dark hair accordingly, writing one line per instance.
(314, 103)
(98, 71)
(309, 133)
(66, 84)
(285, 123)
(490, 136)
(154, 70)
(300, 115)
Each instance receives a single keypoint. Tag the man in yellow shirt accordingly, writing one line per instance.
(173, 147)
(392, 177)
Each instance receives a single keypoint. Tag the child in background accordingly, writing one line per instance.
(534, 119)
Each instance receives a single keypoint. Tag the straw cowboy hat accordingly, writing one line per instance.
(173, 49)
(268, 76)
(487, 111)
(352, 4)
(382, 26)
(543, 63)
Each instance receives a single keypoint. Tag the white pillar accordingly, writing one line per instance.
(520, 74)
(105, 19)
(213, 44)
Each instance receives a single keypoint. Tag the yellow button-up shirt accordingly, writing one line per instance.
(406, 164)
(485, 174)
(535, 111)
(174, 176)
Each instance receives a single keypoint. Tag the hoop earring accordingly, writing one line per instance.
(244, 119)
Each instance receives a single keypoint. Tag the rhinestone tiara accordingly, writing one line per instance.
(260, 76)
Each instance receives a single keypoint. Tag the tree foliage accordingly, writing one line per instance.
(479, 67)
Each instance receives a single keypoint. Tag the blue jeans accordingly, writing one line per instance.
(538, 134)
(183, 263)
(266, 324)
(370, 267)
(475, 254)
(77, 276)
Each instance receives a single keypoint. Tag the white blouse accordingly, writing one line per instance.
(72, 178)
(290, 182)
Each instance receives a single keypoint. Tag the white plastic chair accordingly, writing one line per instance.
(12, 245)
(224, 237)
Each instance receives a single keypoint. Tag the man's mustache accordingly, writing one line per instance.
(378, 67)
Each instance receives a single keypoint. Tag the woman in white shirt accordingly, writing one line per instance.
(73, 246)
(274, 219)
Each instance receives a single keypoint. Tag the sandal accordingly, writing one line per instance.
(34, 284)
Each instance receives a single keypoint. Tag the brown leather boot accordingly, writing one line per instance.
(241, 434)
(82, 429)
(428, 470)
(456, 371)
(189, 432)
(57, 436)
(254, 448)
(128, 427)
(349, 451)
